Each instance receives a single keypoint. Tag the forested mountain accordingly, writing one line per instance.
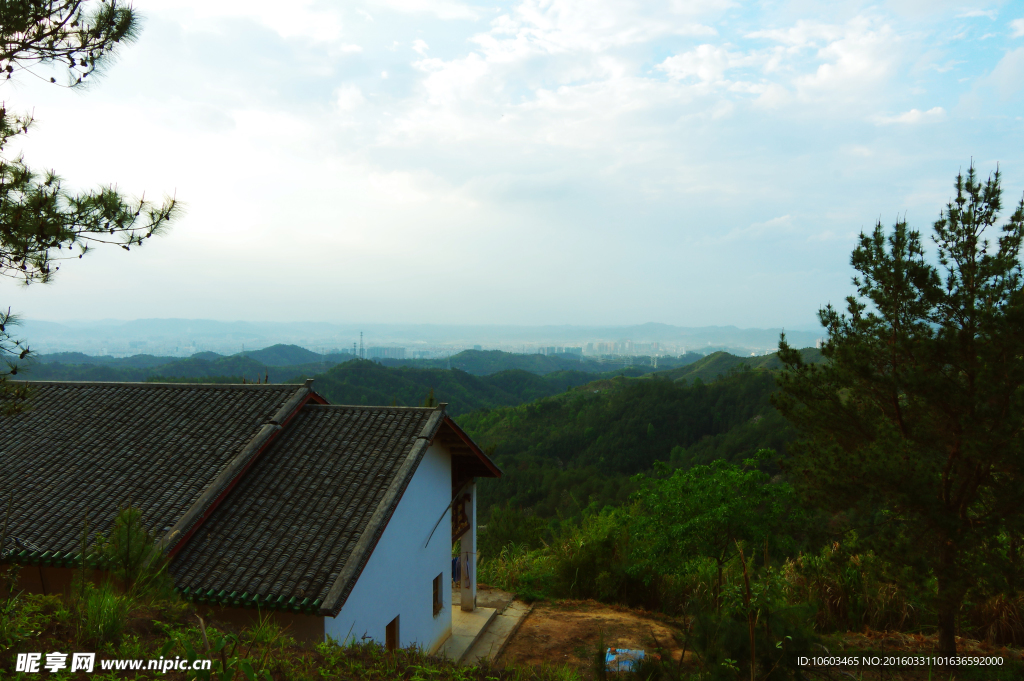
(290, 355)
(196, 368)
(293, 360)
(485, 362)
(561, 453)
(718, 363)
(366, 382)
(76, 358)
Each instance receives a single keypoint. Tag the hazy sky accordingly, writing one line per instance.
(527, 162)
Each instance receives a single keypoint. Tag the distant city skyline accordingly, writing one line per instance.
(525, 162)
(185, 337)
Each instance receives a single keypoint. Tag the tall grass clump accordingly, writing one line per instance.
(103, 612)
(852, 589)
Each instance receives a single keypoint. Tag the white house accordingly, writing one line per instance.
(339, 520)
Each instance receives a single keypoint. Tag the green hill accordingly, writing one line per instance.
(286, 355)
(135, 361)
(224, 369)
(485, 362)
(720, 363)
(365, 382)
(564, 452)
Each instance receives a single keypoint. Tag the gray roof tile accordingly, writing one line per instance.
(92, 447)
(291, 525)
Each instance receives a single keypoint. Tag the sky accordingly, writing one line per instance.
(690, 162)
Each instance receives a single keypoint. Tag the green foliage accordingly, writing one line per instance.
(118, 627)
(12, 395)
(63, 31)
(702, 512)
(102, 612)
(718, 364)
(515, 569)
(22, 616)
(131, 555)
(42, 221)
(850, 589)
(563, 454)
(590, 559)
(370, 383)
(509, 525)
(917, 416)
(486, 362)
(282, 355)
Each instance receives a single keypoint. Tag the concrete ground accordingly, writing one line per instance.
(484, 632)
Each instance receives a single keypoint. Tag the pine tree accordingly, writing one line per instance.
(42, 223)
(919, 411)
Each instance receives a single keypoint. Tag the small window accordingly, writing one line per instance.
(438, 594)
(391, 635)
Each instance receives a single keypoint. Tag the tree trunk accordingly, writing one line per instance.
(949, 600)
(718, 590)
(947, 630)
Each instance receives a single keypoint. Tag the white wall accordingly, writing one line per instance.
(398, 578)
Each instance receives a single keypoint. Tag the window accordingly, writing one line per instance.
(438, 594)
(391, 635)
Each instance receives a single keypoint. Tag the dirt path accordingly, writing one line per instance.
(566, 632)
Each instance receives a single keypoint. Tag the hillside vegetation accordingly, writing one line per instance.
(485, 362)
(564, 453)
(718, 363)
(225, 369)
(369, 383)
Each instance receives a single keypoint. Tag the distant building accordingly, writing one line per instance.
(478, 347)
(385, 353)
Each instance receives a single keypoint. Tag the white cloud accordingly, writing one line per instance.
(706, 62)
(975, 13)
(305, 19)
(1008, 75)
(781, 226)
(858, 58)
(443, 9)
(614, 132)
(349, 98)
(913, 116)
(563, 26)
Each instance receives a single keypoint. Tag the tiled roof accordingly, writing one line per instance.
(262, 494)
(299, 527)
(91, 447)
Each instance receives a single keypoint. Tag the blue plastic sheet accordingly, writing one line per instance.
(622, 660)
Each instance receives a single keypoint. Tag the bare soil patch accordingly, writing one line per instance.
(567, 632)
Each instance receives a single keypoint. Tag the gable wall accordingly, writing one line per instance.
(398, 578)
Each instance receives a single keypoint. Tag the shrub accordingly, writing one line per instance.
(134, 560)
(516, 569)
(103, 613)
(509, 525)
(851, 589)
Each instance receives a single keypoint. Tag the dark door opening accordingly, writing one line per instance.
(391, 635)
